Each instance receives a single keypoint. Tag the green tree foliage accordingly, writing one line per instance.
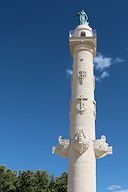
(8, 180)
(31, 181)
(61, 183)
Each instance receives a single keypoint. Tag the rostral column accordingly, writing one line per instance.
(82, 148)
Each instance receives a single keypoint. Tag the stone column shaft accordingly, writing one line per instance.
(82, 168)
(82, 148)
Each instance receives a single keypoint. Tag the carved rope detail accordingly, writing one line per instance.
(94, 111)
(81, 76)
(63, 148)
(81, 141)
(80, 104)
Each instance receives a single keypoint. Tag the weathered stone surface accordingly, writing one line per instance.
(82, 149)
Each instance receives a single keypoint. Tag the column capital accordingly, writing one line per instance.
(88, 43)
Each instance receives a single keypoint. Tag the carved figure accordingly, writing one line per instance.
(101, 148)
(63, 147)
(82, 17)
(81, 141)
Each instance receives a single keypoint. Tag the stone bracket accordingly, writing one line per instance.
(63, 148)
(101, 148)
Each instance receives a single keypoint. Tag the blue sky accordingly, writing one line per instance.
(35, 85)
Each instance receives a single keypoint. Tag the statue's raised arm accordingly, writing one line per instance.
(82, 17)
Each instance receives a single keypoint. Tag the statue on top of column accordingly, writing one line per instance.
(82, 17)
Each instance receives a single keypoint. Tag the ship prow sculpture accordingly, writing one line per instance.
(82, 148)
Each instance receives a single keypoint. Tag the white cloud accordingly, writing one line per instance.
(114, 187)
(118, 60)
(98, 79)
(104, 75)
(101, 62)
(69, 72)
(122, 190)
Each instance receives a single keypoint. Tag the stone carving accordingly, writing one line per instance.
(81, 76)
(94, 111)
(80, 106)
(63, 147)
(81, 141)
(101, 148)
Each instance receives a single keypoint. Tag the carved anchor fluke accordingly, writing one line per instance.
(101, 148)
(81, 141)
(63, 148)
